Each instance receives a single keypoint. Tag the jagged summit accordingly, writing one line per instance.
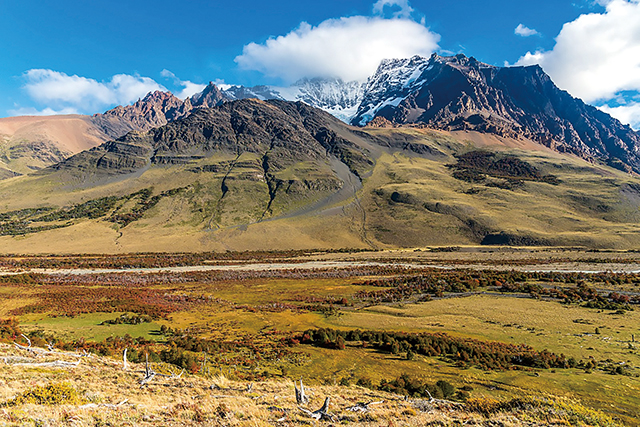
(155, 109)
(444, 92)
(461, 93)
(339, 98)
(211, 96)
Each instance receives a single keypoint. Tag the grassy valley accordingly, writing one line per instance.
(361, 326)
(435, 189)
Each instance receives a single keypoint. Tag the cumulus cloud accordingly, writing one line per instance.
(628, 114)
(404, 7)
(523, 31)
(62, 92)
(190, 88)
(598, 55)
(348, 48)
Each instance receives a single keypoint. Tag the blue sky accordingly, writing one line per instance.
(86, 56)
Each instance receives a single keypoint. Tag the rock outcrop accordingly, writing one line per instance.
(461, 93)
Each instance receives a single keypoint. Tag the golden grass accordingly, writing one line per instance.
(114, 397)
(585, 209)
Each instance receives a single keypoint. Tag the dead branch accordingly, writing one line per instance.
(21, 347)
(301, 397)
(442, 401)
(363, 407)
(125, 365)
(51, 350)
(148, 372)
(320, 414)
(104, 405)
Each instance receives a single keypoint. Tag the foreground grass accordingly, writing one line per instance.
(98, 391)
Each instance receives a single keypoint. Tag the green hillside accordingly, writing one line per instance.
(276, 175)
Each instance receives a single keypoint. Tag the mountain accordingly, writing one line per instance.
(30, 143)
(461, 93)
(276, 134)
(453, 93)
(155, 109)
(338, 98)
(159, 108)
(253, 174)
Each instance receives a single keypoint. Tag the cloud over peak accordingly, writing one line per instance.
(597, 58)
(349, 48)
(63, 92)
(189, 88)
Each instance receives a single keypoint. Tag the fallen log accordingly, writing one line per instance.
(321, 414)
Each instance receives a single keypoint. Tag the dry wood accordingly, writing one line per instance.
(104, 405)
(363, 407)
(301, 397)
(321, 414)
(443, 401)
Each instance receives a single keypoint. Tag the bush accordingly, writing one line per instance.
(51, 394)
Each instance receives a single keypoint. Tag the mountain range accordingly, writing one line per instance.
(447, 150)
(447, 93)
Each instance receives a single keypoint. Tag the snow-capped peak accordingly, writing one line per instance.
(341, 99)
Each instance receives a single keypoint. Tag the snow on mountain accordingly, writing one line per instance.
(341, 99)
(394, 80)
(398, 79)
(460, 93)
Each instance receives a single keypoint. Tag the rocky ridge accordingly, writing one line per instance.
(283, 133)
(461, 93)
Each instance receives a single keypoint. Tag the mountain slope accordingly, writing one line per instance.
(460, 93)
(29, 143)
(268, 175)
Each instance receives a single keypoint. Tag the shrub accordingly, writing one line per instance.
(51, 394)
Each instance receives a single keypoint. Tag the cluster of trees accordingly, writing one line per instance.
(581, 293)
(407, 385)
(91, 209)
(180, 348)
(21, 222)
(246, 351)
(416, 387)
(435, 283)
(144, 202)
(474, 165)
(72, 301)
(128, 319)
(488, 355)
(9, 330)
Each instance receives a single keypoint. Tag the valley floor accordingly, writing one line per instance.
(484, 336)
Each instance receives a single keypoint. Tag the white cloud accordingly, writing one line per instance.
(221, 84)
(190, 88)
(404, 12)
(628, 114)
(348, 48)
(63, 92)
(523, 31)
(598, 55)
